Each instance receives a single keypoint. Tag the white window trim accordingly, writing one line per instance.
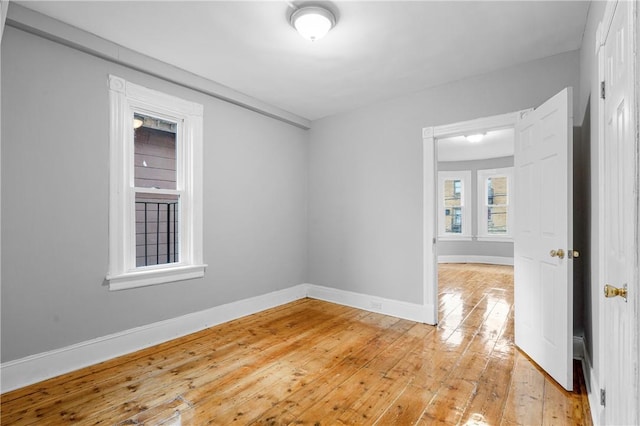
(125, 98)
(467, 214)
(455, 237)
(483, 231)
(496, 239)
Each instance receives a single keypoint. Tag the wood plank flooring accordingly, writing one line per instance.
(317, 363)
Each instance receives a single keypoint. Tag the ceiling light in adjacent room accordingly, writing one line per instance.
(137, 122)
(475, 138)
(313, 22)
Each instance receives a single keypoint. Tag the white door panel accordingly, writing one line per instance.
(618, 157)
(543, 211)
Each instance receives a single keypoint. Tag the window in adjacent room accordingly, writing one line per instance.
(495, 203)
(454, 218)
(155, 213)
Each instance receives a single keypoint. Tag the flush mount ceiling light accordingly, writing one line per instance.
(475, 138)
(137, 122)
(313, 22)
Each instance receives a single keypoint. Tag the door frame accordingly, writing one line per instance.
(430, 135)
(598, 411)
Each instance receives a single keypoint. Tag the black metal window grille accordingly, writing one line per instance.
(156, 233)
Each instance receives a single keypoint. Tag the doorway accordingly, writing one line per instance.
(475, 222)
(457, 230)
(542, 237)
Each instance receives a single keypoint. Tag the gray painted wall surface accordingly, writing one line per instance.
(365, 174)
(55, 174)
(478, 248)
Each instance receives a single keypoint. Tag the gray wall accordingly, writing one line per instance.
(478, 248)
(365, 174)
(55, 174)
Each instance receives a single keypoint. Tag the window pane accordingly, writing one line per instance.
(497, 190)
(155, 152)
(497, 220)
(157, 230)
(452, 193)
(453, 220)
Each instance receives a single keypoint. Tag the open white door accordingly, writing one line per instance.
(543, 271)
(619, 221)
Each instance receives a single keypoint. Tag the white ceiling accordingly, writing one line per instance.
(377, 51)
(495, 144)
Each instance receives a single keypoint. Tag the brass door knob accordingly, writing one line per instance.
(611, 291)
(557, 253)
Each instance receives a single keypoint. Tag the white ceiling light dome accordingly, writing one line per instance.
(313, 22)
(475, 138)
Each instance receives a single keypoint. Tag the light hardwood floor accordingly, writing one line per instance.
(313, 362)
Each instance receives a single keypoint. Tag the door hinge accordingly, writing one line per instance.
(602, 86)
(603, 397)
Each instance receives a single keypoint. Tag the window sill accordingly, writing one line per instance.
(455, 238)
(154, 276)
(496, 239)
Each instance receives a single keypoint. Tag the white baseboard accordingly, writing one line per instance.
(395, 308)
(32, 369)
(35, 368)
(491, 260)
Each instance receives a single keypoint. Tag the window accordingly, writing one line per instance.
(457, 188)
(155, 211)
(155, 167)
(495, 204)
(454, 218)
